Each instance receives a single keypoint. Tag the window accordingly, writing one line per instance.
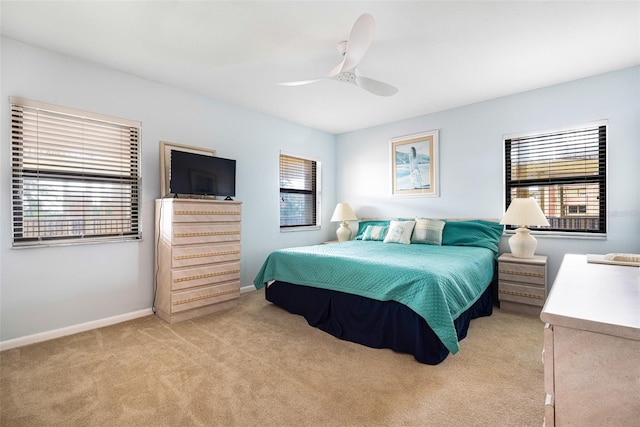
(299, 192)
(577, 209)
(565, 171)
(75, 175)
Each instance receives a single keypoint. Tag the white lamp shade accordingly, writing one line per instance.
(524, 212)
(343, 212)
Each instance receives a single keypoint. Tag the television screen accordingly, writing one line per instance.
(203, 175)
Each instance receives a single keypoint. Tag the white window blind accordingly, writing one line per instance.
(298, 192)
(75, 175)
(565, 171)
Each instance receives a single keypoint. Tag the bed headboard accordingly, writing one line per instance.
(380, 218)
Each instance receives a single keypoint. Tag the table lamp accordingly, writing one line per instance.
(343, 212)
(524, 212)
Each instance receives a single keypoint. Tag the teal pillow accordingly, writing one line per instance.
(477, 232)
(375, 232)
(363, 226)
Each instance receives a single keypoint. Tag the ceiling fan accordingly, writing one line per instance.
(353, 50)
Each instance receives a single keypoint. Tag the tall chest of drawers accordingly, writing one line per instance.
(197, 257)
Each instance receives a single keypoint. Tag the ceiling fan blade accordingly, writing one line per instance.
(300, 83)
(376, 87)
(353, 50)
(337, 69)
(358, 43)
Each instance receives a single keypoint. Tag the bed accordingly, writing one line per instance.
(413, 295)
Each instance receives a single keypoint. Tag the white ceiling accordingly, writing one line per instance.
(440, 55)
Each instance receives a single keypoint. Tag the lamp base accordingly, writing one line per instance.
(523, 244)
(343, 232)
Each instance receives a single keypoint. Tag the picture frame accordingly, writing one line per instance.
(165, 161)
(414, 165)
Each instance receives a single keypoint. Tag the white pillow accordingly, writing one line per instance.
(400, 232)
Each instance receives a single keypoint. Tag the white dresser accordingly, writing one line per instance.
(197, 257)
(592, 345)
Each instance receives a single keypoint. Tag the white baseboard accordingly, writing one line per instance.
(245, 289)
(82, 327)
(69, 330)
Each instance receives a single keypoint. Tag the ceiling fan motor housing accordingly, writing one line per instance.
(347, 77)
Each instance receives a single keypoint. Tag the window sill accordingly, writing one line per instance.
(562, 235)
(301, 228)
(74, 242)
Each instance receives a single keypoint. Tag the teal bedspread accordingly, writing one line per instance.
(437, 282)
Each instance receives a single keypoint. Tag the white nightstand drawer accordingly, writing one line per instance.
(534, 274)
(517, 292)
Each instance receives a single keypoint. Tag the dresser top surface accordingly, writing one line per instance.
(595, 297)
(185, 200)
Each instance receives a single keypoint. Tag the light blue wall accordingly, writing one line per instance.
(50, 288)
(471, 158)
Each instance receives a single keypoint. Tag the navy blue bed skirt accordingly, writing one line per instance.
(377, 324)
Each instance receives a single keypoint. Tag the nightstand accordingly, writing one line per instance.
(522, 283)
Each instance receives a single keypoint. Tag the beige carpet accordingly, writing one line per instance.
(257, 365)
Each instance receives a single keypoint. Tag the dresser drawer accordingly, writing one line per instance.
(186, 256)
(186, 234)
(547, 359)
(517, 292)
(198, 212)
(549, 412)
(205, 275)
(207, 295)
(534, 274)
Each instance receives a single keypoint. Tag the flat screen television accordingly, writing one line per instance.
(198, 174)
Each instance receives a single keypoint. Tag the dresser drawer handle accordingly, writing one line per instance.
(208, 254)
(207, 233)
(206, 213)
(522, 273)
(520, 294)
(205, 276)
(201, 297)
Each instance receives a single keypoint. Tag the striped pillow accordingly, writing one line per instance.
(375, 232)
(428, 231)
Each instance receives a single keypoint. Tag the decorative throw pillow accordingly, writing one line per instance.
(428, 231)
(375, 232)
(400, 232)
(364, 224)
